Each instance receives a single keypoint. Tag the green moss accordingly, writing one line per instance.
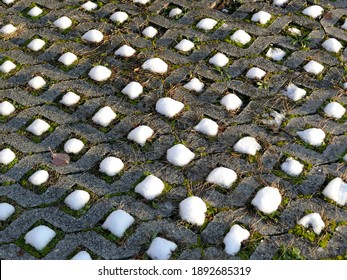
(300, 230)
(248, 247)
(288, 253)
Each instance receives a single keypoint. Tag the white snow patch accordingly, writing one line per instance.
(133, 90)
(82, 256)
(67, 58)
(255, 73)
(99, 73)
(314, 220)
(89, 6)
(119, 16)
(94, 36)
(335, 110)
(267, 200)
(344, 26)
(185, 45)
(312, 136)
(6, 210)
(63, 22)
(125, 51)
(168, 107)
(234, 239)
(70, 98)
(219, 60)
(140, 134)
(247, 145)
(150, 187)
(39, 177)
(276, 54)
(206, 24)
(241, 36)
(141, 1)
(155, 65)
(280, 3)
(222, 176)
(179, 155)
(161, 249)
(294, 31)
(8, 29)
(207, 127)
(77, 199)
(313, 11)
(111, 166)
(294, 92)
(39, 237)
(7, 66)
(175, 12)
(73, 146)
(314, 67)
(7, 156)
(37, 82)
(6, 108)
(118, 222)
(337, 190)
(36, 44)
(8, 1)
(35, 11)
(345, 85)
(194, 84)
(192, 210)
(149, 32)
(261, 17)
(332, 45)
(104, 116)
(345, 157)
(38, 127)
(292, 167)
(231, 101)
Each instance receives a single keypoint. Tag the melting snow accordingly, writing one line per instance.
(150, 187)
(37, 82)
(6, 210)
(6, 156)
(185, 45)
(312, 136)
(99, 73)
(36, 44)
(247, 145)
(207, 127)
(140, 134)
(6, 108)
(118, 222)
(133, 90)
(39, 177)
(255, 73)
(82, 256)
(241, 36)
(119, 16)
(38, 127)
(161, 249)
(223, 177)
(335, 110)
(175, 12)
(104, 116)
(314, 67)
(7, 66)
(39, 237)
(168, 107)
(8, 29)
(261, 17)
(89, 6)
(267, 200)
(332, 45)
(35, 11)
(206, 24)
(292, 167)
(276, 54)
(73, 146)
(93, 36)
(149, 32)
(192, 210)
(125, 51)
(63, 22)
(337, 191)
(313, 11)
(219, 60)
(70, 98)
(231, 101)
(67, 58)
(314, 220)
(194, 84)
(77, 199)
(295, 93)
(234, 239)
(155, 65)
(179, 155)
(111, 166)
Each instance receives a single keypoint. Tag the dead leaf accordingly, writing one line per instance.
(328, 15)
(60, 159)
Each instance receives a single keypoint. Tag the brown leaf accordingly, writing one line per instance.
(328, 15)
(60, 159)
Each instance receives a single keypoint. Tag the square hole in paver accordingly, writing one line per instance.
(228, 6)
(9, 156)
(82, 253)
(38, 128)
(74, 145)
(10, 211)
(34, 11)
(173, 11)
(70, 100)
(38, 179)
(9, 67)
(9, 109)
(240, 38)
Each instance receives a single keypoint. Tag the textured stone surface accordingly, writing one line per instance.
(80, 230)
